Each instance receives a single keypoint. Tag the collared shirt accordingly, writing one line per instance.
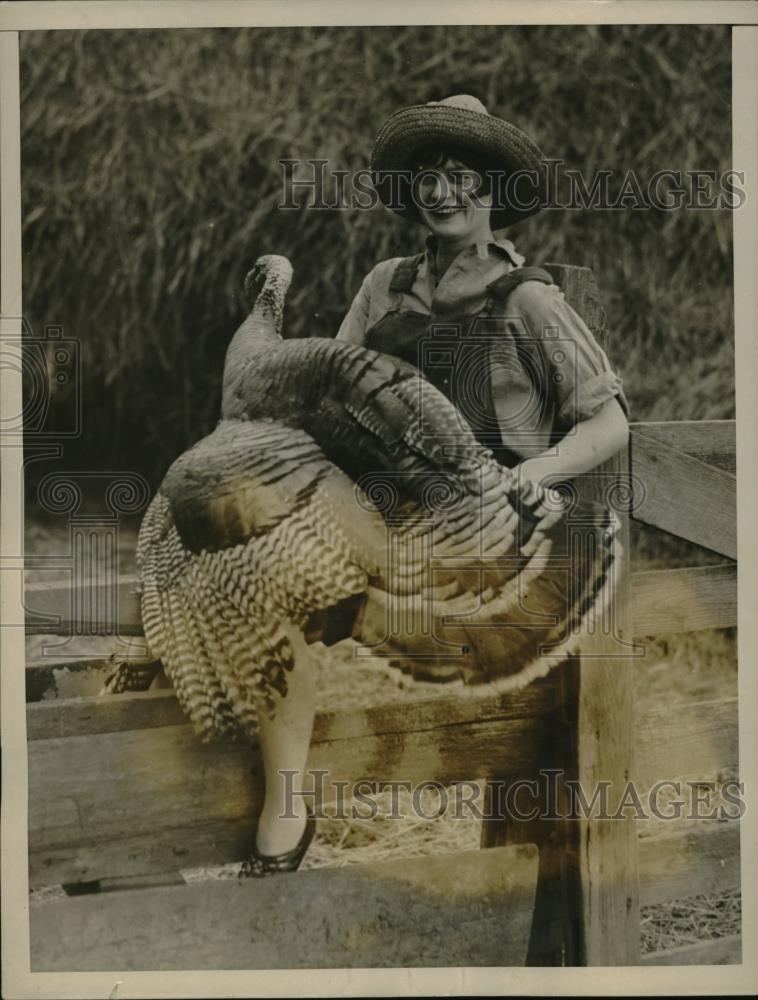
(578, 377)
(462, 289)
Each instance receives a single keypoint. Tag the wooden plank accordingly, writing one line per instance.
(154, 708)
(467, 909)
(718, 951)
(712, 441)
(546, 938)
(684, 496)
(666, 600)
(602, 912)
(95, 608)
(139, 801)
(703, 859)
(687, 740)
(678, 738)
(59, 718)
(143, 854)
(168, 800)
(683, 600)
(91, 608)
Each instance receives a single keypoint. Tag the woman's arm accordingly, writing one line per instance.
(588, 404)
(587, 445)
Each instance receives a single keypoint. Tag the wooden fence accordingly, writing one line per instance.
(122, 796)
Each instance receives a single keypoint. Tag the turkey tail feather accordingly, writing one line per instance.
(279, 513)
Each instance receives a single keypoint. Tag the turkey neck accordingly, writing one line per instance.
(260, 330)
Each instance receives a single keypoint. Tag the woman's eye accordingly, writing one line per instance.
(428, 178)
(467, 180)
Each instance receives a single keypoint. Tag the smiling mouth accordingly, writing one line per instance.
(449, 210)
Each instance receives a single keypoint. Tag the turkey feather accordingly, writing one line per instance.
(341, 487)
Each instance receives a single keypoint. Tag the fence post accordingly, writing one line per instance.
(587, 904)
(601, 881)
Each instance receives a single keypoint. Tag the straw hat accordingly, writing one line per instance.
(461, 122)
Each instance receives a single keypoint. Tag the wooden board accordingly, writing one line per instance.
(683, 600)
(688, 740)
(684, 496)
(467, 909)
(157, 799)
(53, 608)
(718, 951)
(703, 859)
(54, 718)
(168, 801)
(666, 600)
(63, 717)
(712, 441)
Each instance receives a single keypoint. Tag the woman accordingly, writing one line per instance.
(544, 378)
(522, 366)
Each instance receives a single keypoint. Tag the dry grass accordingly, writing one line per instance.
(687, 921)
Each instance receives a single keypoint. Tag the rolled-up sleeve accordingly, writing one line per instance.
(578, 375)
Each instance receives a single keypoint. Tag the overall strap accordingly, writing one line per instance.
(405, 273)
(502, 287)
(530, 350)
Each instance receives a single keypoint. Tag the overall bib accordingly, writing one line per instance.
(460, 355)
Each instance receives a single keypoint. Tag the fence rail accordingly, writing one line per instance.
(321, 919)
(158, 800)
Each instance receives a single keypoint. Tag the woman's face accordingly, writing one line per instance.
(451, 201)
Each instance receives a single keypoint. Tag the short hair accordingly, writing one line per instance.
(433, 156)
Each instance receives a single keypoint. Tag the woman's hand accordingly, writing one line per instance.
(536, 501)
(589, 444)
(537, 473)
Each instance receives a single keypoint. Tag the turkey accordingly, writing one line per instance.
(340, 486)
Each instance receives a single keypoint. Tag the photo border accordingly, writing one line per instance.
(18, 981)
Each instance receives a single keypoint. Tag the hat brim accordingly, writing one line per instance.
(496, 141)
